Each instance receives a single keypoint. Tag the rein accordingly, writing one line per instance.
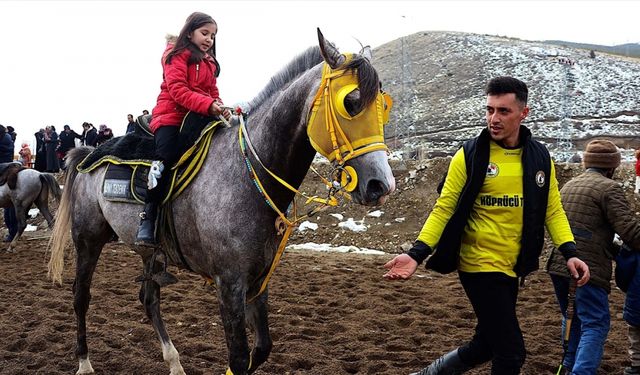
(330, 201)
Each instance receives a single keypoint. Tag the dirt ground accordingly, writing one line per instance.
(330, 313)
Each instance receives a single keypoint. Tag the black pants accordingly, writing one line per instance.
(166, 141)
(498, 337)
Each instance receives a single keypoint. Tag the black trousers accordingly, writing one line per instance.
(167, 150)
(498, 337)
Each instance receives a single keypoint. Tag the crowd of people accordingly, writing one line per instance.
(52, 146)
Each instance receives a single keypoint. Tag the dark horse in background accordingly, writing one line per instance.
(31, 187)
(225, 229)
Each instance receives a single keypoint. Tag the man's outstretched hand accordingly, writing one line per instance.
(400, 268)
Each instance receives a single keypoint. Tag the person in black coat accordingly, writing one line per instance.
(131, 126)
(67, 142)
(40, 163)
(89, 135)
(51, 146)
(6, 156)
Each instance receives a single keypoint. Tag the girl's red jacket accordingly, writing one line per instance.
(184, 88)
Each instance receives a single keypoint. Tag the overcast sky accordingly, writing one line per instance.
(66, 62)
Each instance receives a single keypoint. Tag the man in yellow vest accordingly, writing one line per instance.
(488, 224)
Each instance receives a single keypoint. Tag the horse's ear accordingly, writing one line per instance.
(366, 52)
(329, 52)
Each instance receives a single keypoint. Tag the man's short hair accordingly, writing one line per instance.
(508, 85)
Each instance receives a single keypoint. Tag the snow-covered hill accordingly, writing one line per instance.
(437, 81)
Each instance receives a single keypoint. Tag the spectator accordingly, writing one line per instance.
(25, 155)
(51, 147)
(597, 208)
(40, 163)
(6, 156)
(67, 142)
(89, 135)
(145, 112)
(104, 134)
(131, 126)
(628, 280)
(12, 133)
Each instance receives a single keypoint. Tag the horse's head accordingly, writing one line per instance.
(346, 123)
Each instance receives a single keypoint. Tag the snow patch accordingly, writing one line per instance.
(337, 216)
(335, 249)
(376, 213)
(355, 226)
(33, 213)
(307, 225)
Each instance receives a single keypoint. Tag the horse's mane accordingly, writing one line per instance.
(367, 76)
(300, 64)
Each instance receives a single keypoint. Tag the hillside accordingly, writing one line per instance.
(437, 81)
(627, 49)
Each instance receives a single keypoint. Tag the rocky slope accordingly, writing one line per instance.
(437, 81)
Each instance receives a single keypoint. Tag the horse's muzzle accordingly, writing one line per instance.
(375, 192)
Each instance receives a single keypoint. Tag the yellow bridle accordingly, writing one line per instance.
(332, 131)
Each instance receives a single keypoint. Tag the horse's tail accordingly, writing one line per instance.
(49, 182)
(61, 234)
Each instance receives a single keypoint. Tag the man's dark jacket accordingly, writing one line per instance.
(535, 160)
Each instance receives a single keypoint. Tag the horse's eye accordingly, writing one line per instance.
(352, 104)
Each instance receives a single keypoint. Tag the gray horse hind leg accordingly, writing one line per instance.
(21, 222)
(257, 318)
(150, 298)
(42, 202)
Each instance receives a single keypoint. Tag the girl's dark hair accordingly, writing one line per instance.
(193, 22)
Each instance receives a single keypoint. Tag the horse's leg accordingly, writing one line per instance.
(21, 218)
(87, 256)
(231, 293)
(42, 202)
(150, 293)
(257, 318)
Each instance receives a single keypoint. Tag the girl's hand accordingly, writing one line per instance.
(215, 109)
(226, 114)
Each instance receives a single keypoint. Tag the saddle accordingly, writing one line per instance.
(128, 159)
(9, 173)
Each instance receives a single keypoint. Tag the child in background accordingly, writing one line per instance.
(25, 155)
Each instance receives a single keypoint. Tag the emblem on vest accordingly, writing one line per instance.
(492, 170)
(540, 179)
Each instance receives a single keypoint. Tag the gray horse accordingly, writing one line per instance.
(225, 229)
(32, 187)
